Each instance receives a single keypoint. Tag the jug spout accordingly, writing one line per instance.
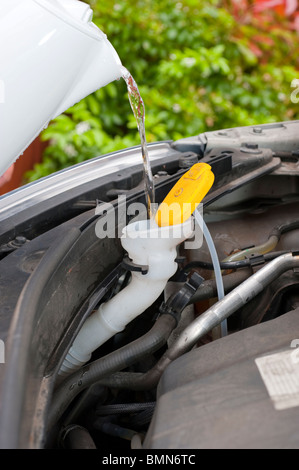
(102, 66)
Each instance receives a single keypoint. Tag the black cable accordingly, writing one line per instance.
(124, 408)
(142, 419)
(231, 264)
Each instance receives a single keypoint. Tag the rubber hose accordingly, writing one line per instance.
(115, 361)
(77, 437)
(269, 245)
(284, 228)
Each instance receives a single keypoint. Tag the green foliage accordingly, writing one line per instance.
(197, 68)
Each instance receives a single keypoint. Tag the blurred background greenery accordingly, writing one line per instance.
(199, 65)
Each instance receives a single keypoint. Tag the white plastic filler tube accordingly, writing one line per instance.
(147, 245)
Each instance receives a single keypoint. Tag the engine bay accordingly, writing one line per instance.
(170, 379)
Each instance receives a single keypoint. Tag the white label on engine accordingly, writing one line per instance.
(280, 373)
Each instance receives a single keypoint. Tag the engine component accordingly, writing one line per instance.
(220, 399)
(146, 245)
(240, 296)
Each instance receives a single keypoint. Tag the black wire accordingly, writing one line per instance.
(276, 231)
(124, 408)
(231, 264)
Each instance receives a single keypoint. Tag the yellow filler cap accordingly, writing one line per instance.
(184, 197)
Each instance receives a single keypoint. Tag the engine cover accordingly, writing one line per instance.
(214, 397)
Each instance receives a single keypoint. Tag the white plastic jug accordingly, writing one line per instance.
(51, 56)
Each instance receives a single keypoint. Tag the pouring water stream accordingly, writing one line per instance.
(137, 106)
